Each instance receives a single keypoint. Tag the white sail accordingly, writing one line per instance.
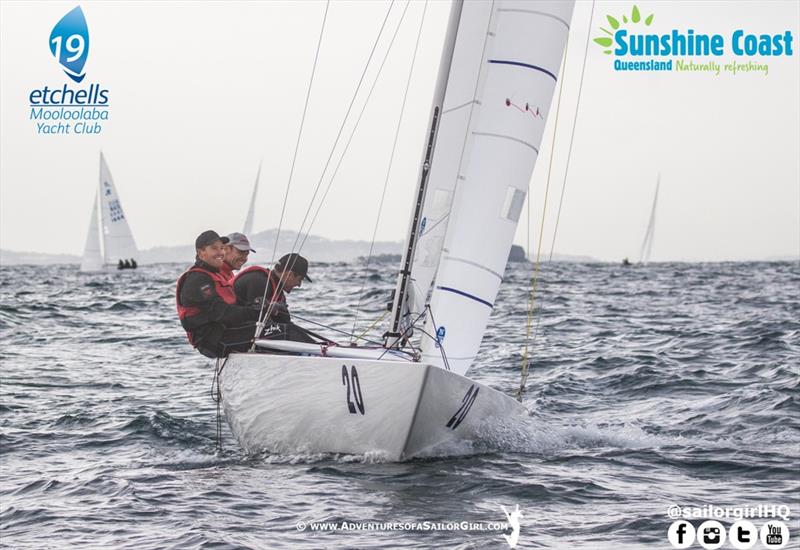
(519, 69)
(92, 252)
(451, 142)
(647, 244)
(248, 222)
(117, 237)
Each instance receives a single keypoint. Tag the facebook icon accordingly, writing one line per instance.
(681, 534)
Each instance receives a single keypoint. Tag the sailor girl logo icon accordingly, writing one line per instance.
(513, 522)
(69, 43)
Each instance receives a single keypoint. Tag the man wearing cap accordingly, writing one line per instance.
(207, 306)
(237, 249)
(257, 283)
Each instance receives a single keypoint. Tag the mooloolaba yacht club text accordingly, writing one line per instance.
(690, 66)
(65, 111)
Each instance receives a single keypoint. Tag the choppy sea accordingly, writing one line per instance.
(651, 387)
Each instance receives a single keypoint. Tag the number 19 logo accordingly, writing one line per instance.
(69, 43)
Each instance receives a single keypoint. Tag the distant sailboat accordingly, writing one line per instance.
(109, 242)
(248, 222)
(647, 244)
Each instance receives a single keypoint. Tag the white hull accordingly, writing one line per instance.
(392, 409)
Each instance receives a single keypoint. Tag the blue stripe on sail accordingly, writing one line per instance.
(466, 295)
(520, 64)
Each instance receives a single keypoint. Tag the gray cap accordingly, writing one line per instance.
(240, 241)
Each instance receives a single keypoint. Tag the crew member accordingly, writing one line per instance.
(207, 307)
(237, 249)
(256, 284)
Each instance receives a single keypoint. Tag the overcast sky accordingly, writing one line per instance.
(201, 92)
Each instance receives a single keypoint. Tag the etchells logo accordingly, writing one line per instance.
(62, 109)
(636, 46)
(69, 43)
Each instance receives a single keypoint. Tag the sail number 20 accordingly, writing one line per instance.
(350, 380)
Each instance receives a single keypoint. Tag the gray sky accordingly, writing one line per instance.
(201, 92)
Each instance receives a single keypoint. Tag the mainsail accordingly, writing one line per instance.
(647, 244)
(92, 251)
(485, 154)
(248, 222)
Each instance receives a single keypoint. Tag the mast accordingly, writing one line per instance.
(393, 337)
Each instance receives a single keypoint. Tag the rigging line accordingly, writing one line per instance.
(322, 175)
(572, 135)
(344, 121)
(524, 377)
(300, 133)
(369, 328)
(344, 332)
(535, 280)
(389, 168)
(352, 133)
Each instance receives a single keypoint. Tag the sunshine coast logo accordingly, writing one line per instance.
(635, 45)
(64, 109)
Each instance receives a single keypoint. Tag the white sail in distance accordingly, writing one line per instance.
(248, 222)
(520, 66)
(117, 237)
(92, 251)
(647, 244)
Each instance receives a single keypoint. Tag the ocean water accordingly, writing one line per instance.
(656, 386)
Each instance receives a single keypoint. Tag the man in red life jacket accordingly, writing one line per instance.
(288, 274)
(237, 249)
(206, 303)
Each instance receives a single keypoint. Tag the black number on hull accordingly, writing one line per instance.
(351, 379)
(466, 405)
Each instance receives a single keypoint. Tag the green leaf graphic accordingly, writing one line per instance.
(649, 19)
(607, 32)
(613, 22)
(603, 41)
(607, 52)
(635, 14)
(624, 19)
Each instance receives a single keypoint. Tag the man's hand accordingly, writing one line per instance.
(279, 310)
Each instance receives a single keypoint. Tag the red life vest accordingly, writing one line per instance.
(270, 282)
(227, 272)
(223, 287)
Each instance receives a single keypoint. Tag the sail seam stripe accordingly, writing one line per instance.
(466, 295)
(523, 142)
(475, 264)
(526, 65)
(535, 12)
(451, 109)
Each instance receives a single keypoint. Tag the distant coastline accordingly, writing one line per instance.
(316, 248)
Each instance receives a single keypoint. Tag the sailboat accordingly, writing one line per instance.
(109, 241)
(647, 244)
(404, 400)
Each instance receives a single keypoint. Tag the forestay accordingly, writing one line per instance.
(518, 73)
